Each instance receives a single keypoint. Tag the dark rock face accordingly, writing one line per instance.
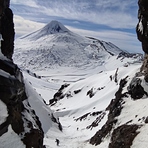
(123, 136)
(146, 120)
(8, 66)
(12, 92)
(6, 29)
(142, 27)
(135, 89)
(130, 55)
(5, 3)
(21, 117)
(59, 95)
(142, 33)
(114, 109)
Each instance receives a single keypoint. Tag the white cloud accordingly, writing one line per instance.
(112, 13)
(30, 3)
(23, 26)
(124, 40)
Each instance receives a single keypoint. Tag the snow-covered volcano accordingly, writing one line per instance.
(55, 45)
(52, 28)
(92, 89)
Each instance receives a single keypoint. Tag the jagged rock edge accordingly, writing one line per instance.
(115, 108)
(14, 97)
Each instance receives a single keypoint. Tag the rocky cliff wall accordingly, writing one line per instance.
(21, 117)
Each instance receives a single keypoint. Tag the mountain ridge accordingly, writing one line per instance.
(65, 48)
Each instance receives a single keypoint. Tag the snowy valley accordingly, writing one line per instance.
(82, 91)
(81, 88)
(77, 85)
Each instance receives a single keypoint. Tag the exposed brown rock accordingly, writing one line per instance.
(142, 33)
(135, 89)
(82, 117)
(114, 109)
(90, 93)
(59, 95)
(146, 120)
(123, 136)
(96, 122)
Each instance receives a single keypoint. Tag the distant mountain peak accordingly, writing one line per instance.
(54, 27)
(55, 45)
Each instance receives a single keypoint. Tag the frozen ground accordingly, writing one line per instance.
(91, 68)
(77, 132)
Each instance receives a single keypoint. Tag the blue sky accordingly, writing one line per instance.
(108, 20)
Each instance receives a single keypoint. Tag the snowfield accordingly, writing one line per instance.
(76, 131)
(74, 79)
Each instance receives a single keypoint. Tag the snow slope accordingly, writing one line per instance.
(90, 71)
(25, 109)
(82, 109)
(10, 139)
